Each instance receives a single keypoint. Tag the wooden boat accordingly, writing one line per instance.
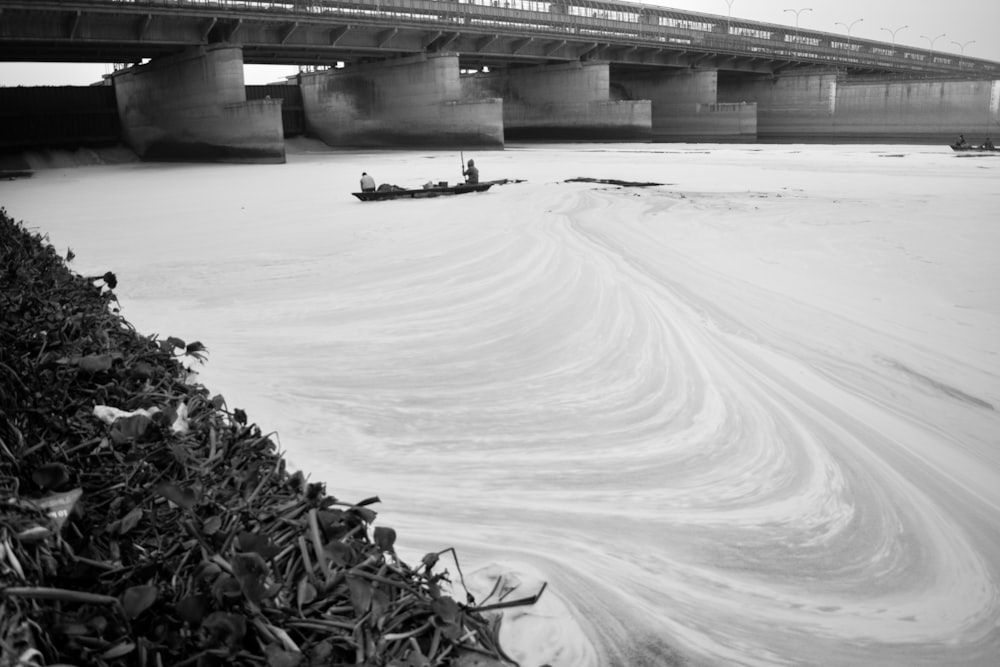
(969, 148)
(432, 191)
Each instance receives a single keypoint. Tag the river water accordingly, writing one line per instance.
(745, 417)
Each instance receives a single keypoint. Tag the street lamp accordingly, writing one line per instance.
(962, 46)
(848, 28)
(931, 41)
(797, 12)
(893, 33)
(729, 3)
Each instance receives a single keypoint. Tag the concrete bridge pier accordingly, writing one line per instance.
(411, 101)
(565, 101)
(790, 107)
(192, 105)
(830, 107)
(918, 110)
(685, 106)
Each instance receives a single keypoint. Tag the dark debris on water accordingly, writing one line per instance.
(143, 523)
(612, 181)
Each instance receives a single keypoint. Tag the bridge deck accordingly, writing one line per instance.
(484, 32)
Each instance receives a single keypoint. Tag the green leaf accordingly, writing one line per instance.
(212, 525)
(142, 370)
(118, 650)
(279, 657)
(430, 560)
(173, 342)
(51, 475)
(185, 498)
(257, 543)
(306, 592)
(130, 521)
(94, 363)
(361, 594)
(366, 515)
(126, 429)
(251, 571)
(226, 587)
(446, 609)
(227, 629)
(138, 599)
(385, 538)
(342, 554)
(191, 609)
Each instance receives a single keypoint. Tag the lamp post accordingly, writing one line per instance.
(797, 12)
(729, 3)
(962, 46)
(848, 29)
(893, 33)
(932, 40)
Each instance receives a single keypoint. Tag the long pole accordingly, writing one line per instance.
(729, 3)
(461, 155)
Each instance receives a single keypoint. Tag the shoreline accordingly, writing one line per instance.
(146, 523)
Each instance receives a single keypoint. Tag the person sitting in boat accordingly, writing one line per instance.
(961, 143)
(471, 174)
(988, 144)
(367, 182)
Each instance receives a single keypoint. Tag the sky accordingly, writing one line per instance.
(971, 24)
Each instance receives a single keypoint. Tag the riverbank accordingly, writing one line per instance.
(146, 522)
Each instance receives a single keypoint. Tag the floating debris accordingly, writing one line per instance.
(612, 181)
(143, 522)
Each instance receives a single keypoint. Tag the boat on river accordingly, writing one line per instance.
(438, 190)
(968, 148)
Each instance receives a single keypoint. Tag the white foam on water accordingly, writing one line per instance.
(748, 417)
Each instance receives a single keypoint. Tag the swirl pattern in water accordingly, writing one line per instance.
(729, 426)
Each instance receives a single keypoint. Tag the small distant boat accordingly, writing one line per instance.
(439, 190)
(968, 148)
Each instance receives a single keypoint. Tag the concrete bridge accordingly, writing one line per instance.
(445, 73)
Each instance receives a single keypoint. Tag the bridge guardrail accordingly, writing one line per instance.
(623, 23)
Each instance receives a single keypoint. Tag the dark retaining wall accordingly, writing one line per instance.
(58, 117)
(72, 116)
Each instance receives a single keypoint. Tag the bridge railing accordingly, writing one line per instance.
(619, 24)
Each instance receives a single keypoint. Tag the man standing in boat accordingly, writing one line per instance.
(471, 174)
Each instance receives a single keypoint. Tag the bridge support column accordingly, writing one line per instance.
(825, 107)
(412, 101)
(686, 107)
(919, 110)
(789, 106)
(566, 101)
(192, 106)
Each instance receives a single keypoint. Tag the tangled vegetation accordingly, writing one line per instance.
(144, 523)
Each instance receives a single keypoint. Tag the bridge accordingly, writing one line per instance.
(477, 72)
(484, 32)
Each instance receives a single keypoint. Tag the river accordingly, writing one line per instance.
(744, 417)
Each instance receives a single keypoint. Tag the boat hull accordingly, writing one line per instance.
(973, 149)
(422, 193)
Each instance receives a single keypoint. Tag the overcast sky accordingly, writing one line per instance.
(971, 23)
